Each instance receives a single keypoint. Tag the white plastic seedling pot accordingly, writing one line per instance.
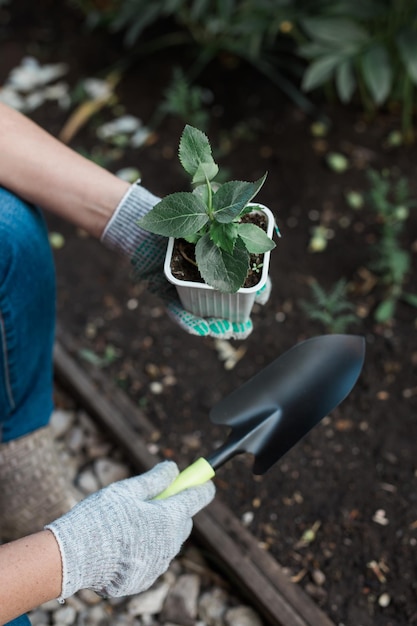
(205, 301)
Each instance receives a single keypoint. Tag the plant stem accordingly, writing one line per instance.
(209, 199)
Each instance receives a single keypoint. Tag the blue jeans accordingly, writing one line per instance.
(19, 621)
(27, 319)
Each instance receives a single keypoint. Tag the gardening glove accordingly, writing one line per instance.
(146, 252)
(119, 540)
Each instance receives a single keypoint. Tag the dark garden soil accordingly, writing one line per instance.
(352, 482)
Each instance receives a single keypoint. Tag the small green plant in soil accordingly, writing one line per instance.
(211, 217)
(330, 308)
(110, 355)
(391, 262)
(185, 101)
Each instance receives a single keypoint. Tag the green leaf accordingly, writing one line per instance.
(410, 298)
(232, 197)
(345, 81)
(337, 31)
(313, 50)
(221, 270)
(377, 72)
(407, 45)
(201, 191)
(180, 214)
(385, 311)
(205, 172)
(249, 209)
(224, 235)
(337, 162)
(320, 71)
(90, 357)
(255, 239)
(195, 155)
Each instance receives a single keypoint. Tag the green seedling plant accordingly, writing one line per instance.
(110, 355)
(257, 267)
(185, 101)
(330, 308)
(391, 262)
(210, 217)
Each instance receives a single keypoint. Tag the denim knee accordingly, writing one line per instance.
(19, 621)
(27, 318)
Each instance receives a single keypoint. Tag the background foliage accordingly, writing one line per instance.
(361, 50)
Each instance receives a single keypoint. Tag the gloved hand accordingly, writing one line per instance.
(146, 252)
(118, 541)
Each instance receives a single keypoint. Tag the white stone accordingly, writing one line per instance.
(89, 597)
(39, 618)
(97, 615)
(242, 616)
(149, 602)
(50, 606)
(109, 471)
(380, 517)
(129, 174)
(96, 88)
(212, 606)
(384, 600)
(65, 616)
(61, 422)
(59, 91)
(34, 100)
(140, 137)
(75, 440)
(186, 590)
(126, 124)
(247, 518)
(87, 481)
(156, 388)
(76, 603)
(319, 577)
(9, 96)
(30, 74)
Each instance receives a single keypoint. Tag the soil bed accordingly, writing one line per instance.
(340, 510)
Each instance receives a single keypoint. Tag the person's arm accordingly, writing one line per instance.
(42, 170)
(30, 574)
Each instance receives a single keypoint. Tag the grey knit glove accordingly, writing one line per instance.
(119, 540)
(146, 252)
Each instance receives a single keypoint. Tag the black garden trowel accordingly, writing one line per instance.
(270, 413)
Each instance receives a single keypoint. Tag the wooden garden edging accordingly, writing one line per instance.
(257, 574)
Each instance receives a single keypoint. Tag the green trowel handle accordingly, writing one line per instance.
(195, 474)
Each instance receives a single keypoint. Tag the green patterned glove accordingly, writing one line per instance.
(146, 252)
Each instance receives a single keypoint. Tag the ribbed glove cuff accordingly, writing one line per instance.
(122, 232)
(79, 568)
